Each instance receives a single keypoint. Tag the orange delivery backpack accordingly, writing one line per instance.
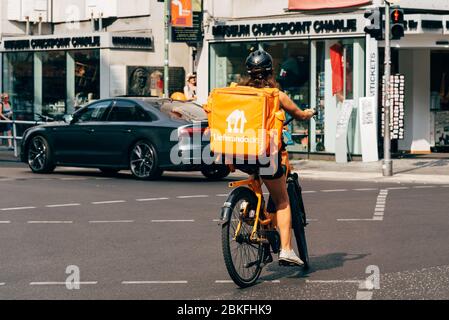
(245, 122)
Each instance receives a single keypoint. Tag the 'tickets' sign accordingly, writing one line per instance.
(181, 13)
(324, 4)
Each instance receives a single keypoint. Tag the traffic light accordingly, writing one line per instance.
(374, 28)
(397, 23)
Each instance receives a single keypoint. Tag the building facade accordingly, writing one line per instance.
(58, 55)
(323, 57)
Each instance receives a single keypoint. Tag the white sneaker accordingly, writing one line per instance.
(289, 258)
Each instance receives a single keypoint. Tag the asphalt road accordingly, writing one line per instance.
(160, 240)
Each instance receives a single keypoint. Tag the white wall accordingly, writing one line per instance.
(415, 65)
(20, 9)
(110, 8)
(424, 4)
(245, 8)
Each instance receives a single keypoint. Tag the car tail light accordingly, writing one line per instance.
(190, 131)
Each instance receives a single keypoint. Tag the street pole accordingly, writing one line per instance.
(167, 47)
(387, 166)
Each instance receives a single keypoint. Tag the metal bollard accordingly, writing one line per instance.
(14, 134)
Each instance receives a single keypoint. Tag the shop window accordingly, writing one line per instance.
(87, 76)
(315, 74)
(292, 71)
(228, 62)
(18, 82)
(54, 87)
(439, 100)
(319, 92)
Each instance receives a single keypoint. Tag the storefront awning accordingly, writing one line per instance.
(324, 4)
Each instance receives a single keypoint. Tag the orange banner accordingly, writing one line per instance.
(324, 4)
(181, 13)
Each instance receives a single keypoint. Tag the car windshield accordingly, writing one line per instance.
(188, 111)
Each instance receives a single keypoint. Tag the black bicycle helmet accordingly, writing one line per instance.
(259, 64)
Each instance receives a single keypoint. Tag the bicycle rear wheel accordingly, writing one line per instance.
(242, 256)
(299, 220)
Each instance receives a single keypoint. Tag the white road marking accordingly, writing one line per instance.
(366, 189)
(165, 221)
(310, 191)
(222, 195)
(72, 179)
(379, 211)
(5, 222)
(398, 188)
(152, 199)
(112, 221)
(18, 208)
(345, 220)
(155, 282)
(63, 205)
(50, 222)
(55, 283)
(2, 284)
(364, 293)
(336, 190)
(230, 281)
(334, 281)
(192, 197)
(423, 187)
(109, 202)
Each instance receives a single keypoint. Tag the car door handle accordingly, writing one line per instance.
(127, 131)
(90, 130)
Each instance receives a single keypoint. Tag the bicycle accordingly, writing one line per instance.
(248, 225)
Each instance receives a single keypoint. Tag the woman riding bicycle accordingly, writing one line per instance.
(259, 66)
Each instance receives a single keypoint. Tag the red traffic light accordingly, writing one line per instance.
(397, 16)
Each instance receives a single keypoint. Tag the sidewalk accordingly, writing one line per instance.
(417, 170)
(7, 155)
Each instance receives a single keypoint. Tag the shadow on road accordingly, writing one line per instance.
(425, 164)
(317, 263)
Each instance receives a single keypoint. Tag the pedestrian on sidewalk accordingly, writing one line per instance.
(190, 88)
(6, 115)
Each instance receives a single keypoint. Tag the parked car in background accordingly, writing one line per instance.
(120, 134)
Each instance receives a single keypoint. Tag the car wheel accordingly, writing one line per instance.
(109, 171)
(40, 159)
(216, 172)
(143, 161)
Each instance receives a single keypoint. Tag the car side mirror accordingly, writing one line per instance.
(68, 118)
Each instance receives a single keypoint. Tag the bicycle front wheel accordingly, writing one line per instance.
(242, 256)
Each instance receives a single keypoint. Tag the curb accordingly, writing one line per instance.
(372, 177)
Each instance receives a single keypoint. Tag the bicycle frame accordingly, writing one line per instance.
(255, 183)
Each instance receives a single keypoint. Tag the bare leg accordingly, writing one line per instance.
(9, 140)
(278, 192)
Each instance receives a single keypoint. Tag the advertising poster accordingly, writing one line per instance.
(181, 13)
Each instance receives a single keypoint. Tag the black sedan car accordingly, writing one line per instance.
(145, 135)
